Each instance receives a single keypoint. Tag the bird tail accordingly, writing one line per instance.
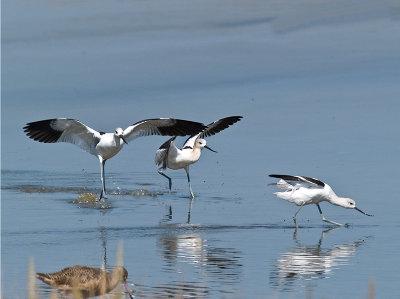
(44, 277)
(162, 153)
(161, 158)
(282, 184)
(285, 195)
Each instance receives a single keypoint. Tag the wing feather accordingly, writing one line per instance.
(212, 129)
(63, 130)
(190, 141)
(301, 179)
(162, 153)
(162, 126)
(219, 125)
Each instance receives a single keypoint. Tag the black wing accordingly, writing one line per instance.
(162, 153)
(219, 125)
(63, 130)
(212, 129)
(298, 179)
(163, 126)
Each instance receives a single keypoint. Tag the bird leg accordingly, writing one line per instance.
(170, 212)
(102, 178)
(128, 291)
(190, 186)
(295, 214)
(190, 210)
(164, 175)
(326, 220)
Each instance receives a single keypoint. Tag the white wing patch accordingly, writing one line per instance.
(75, 132)
(161, 156)
(191, 141)
(63, 130)
(282, 184)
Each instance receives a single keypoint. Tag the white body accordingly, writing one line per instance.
(305, 190)
(305, 194)
(109, 145)
(169, 156)
(182, 158)
(174, 158)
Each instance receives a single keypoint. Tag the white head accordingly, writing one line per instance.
(120, 133)
(348, 203)
(201, 143)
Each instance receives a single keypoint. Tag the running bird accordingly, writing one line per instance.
(307, 191)
(106, 145)
(86, 281)
(169, 156)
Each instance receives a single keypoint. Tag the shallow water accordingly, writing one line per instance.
(318, 86)
(224, 248)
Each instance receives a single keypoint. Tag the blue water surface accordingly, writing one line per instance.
(318, 87)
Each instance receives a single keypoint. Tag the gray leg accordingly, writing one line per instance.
(326, 220)
(190, 210)
(164, 175)
(190, 186)
(169, 215)
(295, 214)
(102, 177)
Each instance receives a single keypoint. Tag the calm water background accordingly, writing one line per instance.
(318, 85)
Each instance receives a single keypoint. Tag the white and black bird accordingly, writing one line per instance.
(106, 145)
(305, 191)
(169, 156)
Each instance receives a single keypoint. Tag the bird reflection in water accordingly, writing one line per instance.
(220, 265)
(192, 249)
(168, 216)
(310, 262)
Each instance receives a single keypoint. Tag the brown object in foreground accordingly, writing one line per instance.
(83, 281)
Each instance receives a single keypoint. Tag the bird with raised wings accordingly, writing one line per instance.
(304, 190)
(170, 156)
(106, 145)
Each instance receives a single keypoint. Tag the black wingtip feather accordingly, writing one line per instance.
(182, 128)
(167, 143)
(315, 181)
(297, 178)
(278, 176)
(219, 125)
(42, 131)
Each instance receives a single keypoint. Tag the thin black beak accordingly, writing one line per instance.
(123, 139)
(362, 211)
(209, 148)
(127, 290)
